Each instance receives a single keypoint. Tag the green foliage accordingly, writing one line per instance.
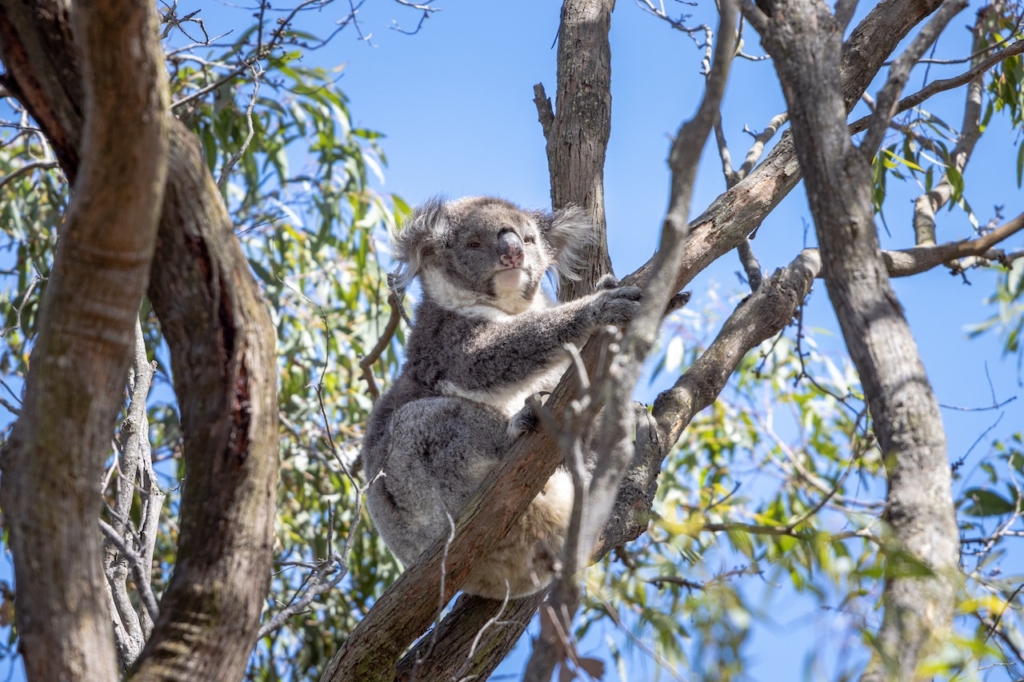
(31, 205)
(310, 224)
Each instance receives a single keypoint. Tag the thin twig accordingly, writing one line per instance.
(27, 168)
(366, 364)
(900, 71)
(938, 86)
(236, 157)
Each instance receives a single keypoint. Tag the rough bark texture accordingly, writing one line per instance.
(54, 461)
(577, 135)
(469, 641)
(223, 356)
(804, 41)
(724, 225)
(222, 353)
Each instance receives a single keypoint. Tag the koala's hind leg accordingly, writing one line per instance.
(439, 451)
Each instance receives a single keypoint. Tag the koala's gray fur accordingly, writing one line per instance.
(485, 338)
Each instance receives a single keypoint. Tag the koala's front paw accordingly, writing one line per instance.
(677, 302)
(618, 306)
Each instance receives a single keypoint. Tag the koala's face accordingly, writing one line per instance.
(495, 250)
(482, 251)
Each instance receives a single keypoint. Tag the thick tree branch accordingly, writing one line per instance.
(912, 261)
(84, 347)
(223, 357)
(576, 143)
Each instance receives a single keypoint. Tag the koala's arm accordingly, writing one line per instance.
(503, 353)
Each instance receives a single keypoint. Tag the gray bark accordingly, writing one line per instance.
(805, 43)
(577, 133)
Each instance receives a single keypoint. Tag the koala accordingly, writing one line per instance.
(485, 337)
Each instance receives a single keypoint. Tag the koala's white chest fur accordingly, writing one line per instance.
(510, 399)
(508, 301)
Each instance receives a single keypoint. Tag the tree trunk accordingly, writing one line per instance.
(225, 376)
(224, 366)
(577, 134)
(804, 41)
(54, 461)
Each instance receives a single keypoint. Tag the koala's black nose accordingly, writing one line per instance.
(510, 249)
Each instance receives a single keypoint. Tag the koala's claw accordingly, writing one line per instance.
(607, 283)
(677, 302)
(525, 420)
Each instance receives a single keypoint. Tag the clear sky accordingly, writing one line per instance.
(455, 102)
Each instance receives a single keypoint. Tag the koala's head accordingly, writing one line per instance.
(486, 251)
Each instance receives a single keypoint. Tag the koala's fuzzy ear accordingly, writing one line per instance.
(568, 231)
(418, 239)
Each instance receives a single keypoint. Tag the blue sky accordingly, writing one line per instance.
(456, 104)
